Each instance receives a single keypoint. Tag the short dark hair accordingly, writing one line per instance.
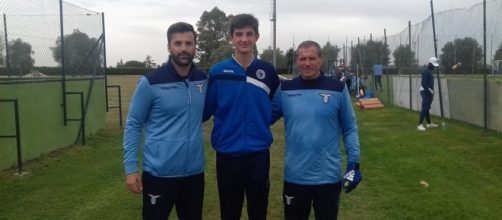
(180, 27)
(243, 20)
(309, 43)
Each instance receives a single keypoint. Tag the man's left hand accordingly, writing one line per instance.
(352, 177)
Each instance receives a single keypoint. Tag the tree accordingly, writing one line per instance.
(290, 60)
(77, 45)
(370, 53)
(212, 29)
(377, 53)
(404, 57)
(134, 64)
(149, 62)
(220, 53)
(1, 52)
(268, 55)
(20, 56)
(466, 51)
(498, 53)
(120, 63)
(330, 56)
(498, 56)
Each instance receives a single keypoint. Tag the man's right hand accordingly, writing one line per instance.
(134, 184)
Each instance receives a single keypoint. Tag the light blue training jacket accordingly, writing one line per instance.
(317, 113)
(168, 111)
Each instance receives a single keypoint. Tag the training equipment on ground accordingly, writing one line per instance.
(352, 177)
(370, 103)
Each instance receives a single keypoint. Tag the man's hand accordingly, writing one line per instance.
(431, 91)
(352, 177)
(134, 184)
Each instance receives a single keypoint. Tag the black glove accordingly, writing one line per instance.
(352, 177)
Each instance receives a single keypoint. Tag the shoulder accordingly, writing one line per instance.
(219, 67)
(264, 63)
(267, 66)
(158, 75)
(197, 74)
(261, 67)
(332, 84)
(323, 83)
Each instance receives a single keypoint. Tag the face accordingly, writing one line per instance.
(244, 40)
(308, 62)
(182, 48)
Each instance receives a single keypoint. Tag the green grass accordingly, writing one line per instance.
(460, 163)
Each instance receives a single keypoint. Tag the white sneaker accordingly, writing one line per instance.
(432, 125)
(421, 128)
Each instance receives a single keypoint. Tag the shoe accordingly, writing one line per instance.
(421, 128)
(432, 125)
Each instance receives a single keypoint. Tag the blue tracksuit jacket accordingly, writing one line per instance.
(427, 81)
(239, 100)
(169, 111)
(316, 112)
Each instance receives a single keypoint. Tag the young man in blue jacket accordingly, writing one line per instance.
(167, 107)
(239, 99)
(317, 112)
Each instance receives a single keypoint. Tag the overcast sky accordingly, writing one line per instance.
(137, 28)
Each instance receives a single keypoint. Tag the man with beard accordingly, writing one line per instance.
(167, 106)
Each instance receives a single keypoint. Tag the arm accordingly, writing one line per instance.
(276, 106)
(431, 83)
(348, 125)
(136, 118)
(211, 101)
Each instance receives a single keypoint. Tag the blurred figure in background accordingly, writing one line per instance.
(378, 72)
(427, 94)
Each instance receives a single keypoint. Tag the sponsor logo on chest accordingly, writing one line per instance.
(168, 87)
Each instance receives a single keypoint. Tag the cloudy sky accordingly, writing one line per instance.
(136, 28)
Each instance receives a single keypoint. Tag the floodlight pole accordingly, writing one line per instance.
(386, 69)
(274, 45)
(7, 58)
(485, 70)
(409, 72)
(443, 124)
(63, 75)
(104, 59)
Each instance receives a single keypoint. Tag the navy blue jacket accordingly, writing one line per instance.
(239, 100)
(427, 82)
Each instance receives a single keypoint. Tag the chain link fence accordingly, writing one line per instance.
(33, 33)
(460, 48)
(451, 26)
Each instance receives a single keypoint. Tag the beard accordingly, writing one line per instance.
(184, 59)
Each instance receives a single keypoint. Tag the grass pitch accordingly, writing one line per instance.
(460, 164)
